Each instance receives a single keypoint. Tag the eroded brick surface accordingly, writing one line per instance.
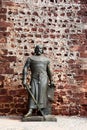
(60, 26)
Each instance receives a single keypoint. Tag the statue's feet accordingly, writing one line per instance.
(29, 113)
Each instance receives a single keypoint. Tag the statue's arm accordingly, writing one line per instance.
(25, 70)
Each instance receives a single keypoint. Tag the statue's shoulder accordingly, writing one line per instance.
(28, 60)
(46, 59)
(40, 58)
(32, 57)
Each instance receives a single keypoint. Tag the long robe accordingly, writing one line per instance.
(40, 75)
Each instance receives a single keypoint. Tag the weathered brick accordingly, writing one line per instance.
(3, 40)
(84, 113)
(0, 3)
(35, 13)
(3, 28)
(5, 110)
(77, 1)
(3, 91)
(7, 105)
(83, 1)
(83, 55)
(34, 29)
(9, 3)
(38, 35)
(84, 19)
(3, 10)
(6, 24)
(20, 105)
(8, 58)
(73, 111)
(52, 36)
(3, 52)
(18, 92)
(30, 35)
(62, 14)
(29, 13)
(6, 99)
(1, 78)
(6, 70)
(77, 36)
(2, 17)
(12, 92)
(13, 111)
(83, 102)
(45, 36)
(22, 111)
(40, 29)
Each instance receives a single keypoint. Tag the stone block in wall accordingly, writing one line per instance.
(3, 29)
(77, 36)
(84, 19)
(73, 110)
(83, 102)
(21, 111)
(3, 52)
(83, 1)
(4, 70)
(6, 99)
(5, 24)
(18, 92)
(3, 91)
(1, 78)
(5, 110)
(3, 40)
(2, 17)
(8, 3)
(3, 10)
(0, 3)
(8, 59)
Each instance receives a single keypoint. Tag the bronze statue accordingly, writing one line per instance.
(41, 76)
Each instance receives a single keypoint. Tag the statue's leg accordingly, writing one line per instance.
(44, 111)
(29, 112)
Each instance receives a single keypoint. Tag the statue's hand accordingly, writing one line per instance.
(24, 83)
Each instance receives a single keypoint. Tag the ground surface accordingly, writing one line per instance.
(63, 123)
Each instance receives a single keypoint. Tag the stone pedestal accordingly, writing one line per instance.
(39, 118)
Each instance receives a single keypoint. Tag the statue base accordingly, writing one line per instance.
(39, 118)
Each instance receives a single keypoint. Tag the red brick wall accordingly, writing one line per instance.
(61, 27)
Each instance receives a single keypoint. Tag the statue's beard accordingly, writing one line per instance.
(39, 53)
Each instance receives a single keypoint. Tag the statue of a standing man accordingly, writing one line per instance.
(40, 78)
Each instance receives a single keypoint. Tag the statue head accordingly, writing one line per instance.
(38, 49)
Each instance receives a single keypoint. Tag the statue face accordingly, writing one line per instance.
(38, 50)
